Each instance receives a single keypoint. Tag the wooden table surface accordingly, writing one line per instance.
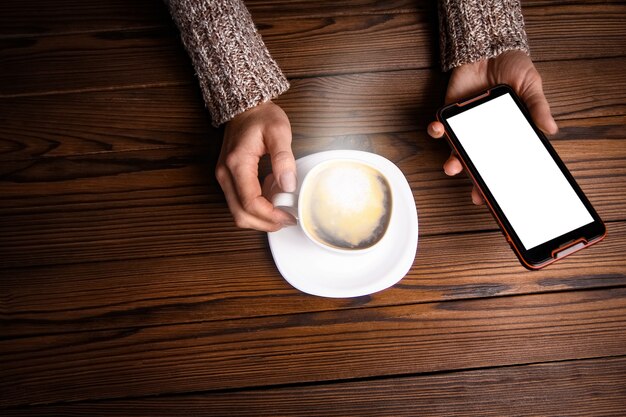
(126, 289)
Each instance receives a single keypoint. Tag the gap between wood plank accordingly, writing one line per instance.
(96, 90)
(219, 138)
(527, 6)
(313, 76)
(81, 32)
(308, 312)
(466, 233)
(324, 383)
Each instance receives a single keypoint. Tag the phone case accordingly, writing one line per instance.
(549, 251)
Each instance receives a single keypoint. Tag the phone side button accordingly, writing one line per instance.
(568, 250)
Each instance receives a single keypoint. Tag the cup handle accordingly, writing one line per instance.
(287, 202)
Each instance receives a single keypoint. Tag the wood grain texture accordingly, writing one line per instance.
(78, 16)
(106, 121)
(575, 31)
(388, 42)
(406, 100)
(92, 61)
(326, 107)
(304, 47)
(125, 288)
(216, 286)
(130, 205)
(354, 44)
(21, 18)
(314, 347)
(589, 388)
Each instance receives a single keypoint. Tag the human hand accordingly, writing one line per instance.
(248, 136)
(514, 68)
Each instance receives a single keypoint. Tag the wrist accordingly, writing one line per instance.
(474, 30)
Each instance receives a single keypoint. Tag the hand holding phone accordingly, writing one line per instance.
(514, 68)
(540, 208)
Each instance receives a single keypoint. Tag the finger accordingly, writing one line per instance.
(242, 218)
(278, 142)
(270, 189)
(436, 129)
(248, 190)
(539, 108)
(477, 197)
(452, 166)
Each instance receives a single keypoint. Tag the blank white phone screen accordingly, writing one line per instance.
(525, 181)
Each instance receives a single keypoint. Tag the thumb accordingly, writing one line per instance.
(540, 109)
(278, 142)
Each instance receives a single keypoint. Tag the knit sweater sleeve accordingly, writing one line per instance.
(233, 66)
(472, 30)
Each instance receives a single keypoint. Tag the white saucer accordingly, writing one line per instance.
(317, 271)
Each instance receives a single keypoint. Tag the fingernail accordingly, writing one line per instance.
(290, 222)
(555, 127)
(288, 182)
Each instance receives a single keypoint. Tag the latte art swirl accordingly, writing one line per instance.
(347, 205)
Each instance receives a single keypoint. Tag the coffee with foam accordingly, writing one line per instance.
(346, 204)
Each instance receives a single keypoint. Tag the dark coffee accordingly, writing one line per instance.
(345, 204)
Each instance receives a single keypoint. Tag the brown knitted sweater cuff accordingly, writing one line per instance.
(233, 66)
(472, 30)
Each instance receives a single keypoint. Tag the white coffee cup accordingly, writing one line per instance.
(343, 205)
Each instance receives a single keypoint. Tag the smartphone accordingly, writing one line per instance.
(543, 213)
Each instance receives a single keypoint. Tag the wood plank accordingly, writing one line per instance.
(329, 46)
(581, 31)
(399, 101)
(309, 46)
(217, 286)
(406, 100)
(19, 18)
(583, 388)
(75, 16)
(304, 47)
(150, 203)
(47, 198)
(92, 61)
(122, 59)
(126, 285)
(100, 122)
(545, 3)
(270, 9)
(308, 347)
